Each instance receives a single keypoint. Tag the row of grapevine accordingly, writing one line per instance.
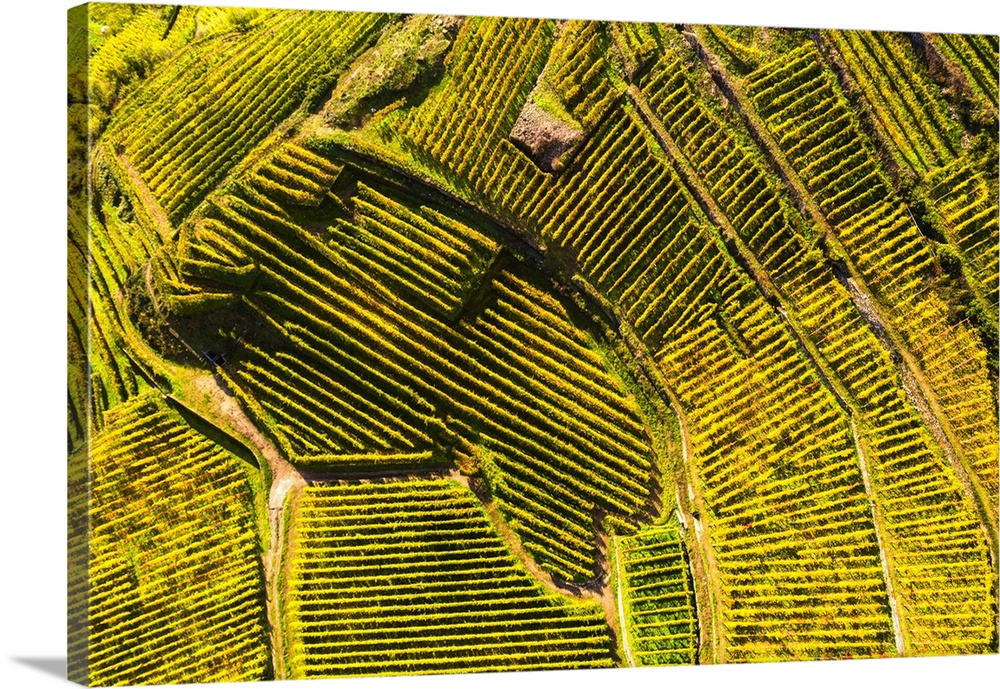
(468, 118)
(130, 252)
(636, 42)
(577, 71)
(908, 107)
(735, 45)
(647, 250)
(548, 500)
(295, 175)
(365, 372)
(383, 344)
(813, 125)
(658, 597)
(314, 405)
(176, 589)
(934, 540)
(78, 346)
(545, 202)
(77, 564)
(432, 258)
(191, 122)
(957, 365)
(912, 487)
(816, 130)
(423, 254)
(897, 438)
(405, 577)
(104, 252)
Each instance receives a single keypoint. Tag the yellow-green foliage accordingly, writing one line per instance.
(732, 177)
(637, 42)
(192, 121)
(658, 597)
(410, 576)
(416, 295)
(466, 107)
(175, 571)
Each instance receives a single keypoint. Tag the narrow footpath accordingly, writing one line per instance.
(285, 480)
(621, 607)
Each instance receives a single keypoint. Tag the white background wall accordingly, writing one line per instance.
(32, 336)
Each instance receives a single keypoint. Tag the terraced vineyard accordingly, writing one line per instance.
(408, 344)
(175, 574)
(425, 584)
(659, 598)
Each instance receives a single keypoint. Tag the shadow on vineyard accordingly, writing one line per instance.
(418, 344)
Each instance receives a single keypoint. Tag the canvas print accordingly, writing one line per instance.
(411, 344)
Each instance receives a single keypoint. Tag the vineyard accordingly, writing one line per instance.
(405, 344)
(660, 605)
(175, 571)
(425, 584)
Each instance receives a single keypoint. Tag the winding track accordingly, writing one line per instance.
(621, 607)
(285, 479)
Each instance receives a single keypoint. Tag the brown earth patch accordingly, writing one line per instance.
(543, 138)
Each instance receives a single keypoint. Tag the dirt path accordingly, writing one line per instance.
(149, 202)
(285, 479)
(887, 570)
(690, 504)
(273, 562)
(758, 132)
(621, 607)
(705, 574)
(597, 589)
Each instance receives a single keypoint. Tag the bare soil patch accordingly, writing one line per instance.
(149, 201)
(543, 138)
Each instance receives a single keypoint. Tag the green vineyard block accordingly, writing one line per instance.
(407, 344)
